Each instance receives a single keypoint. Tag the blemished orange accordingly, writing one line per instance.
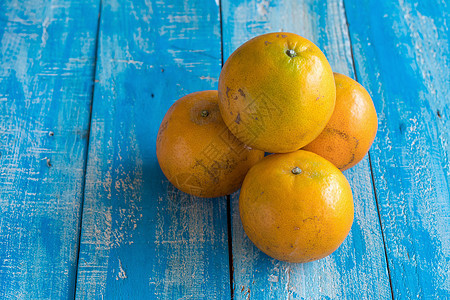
(277, 92)
(196, 151)
(296, 207)
(352, 128)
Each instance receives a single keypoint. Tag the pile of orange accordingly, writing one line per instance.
(277, 93)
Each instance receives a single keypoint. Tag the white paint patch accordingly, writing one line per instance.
(114, 5)
(122, 274)
(142, 41)
(149, 5)
(261, 8)
(44, 36)
(273, 278)
(137, 64)
(209, 78)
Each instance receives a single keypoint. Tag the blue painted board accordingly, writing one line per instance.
(142, 238)
(358, 269)
(402, 57)
(47, 58)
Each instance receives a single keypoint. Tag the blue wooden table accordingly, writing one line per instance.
(85, 211)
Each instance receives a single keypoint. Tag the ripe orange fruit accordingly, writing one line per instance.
(277, 92)
(196, 151)
(352, 128)
(296, 207)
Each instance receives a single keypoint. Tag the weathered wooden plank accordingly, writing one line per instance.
(358, 268)
(141, 238)
(402, 56)
(47, 54)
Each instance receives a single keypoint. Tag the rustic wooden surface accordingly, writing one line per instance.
(85, 211)
(47, 61)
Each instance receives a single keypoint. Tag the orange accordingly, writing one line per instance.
(196, 151)
(277, 92)
(296, 207)
(351, 130)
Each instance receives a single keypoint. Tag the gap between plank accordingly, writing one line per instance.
(370, 160)
(230, 247)
(80, 224)
(221, 32)
(229, 233)
(381, 226)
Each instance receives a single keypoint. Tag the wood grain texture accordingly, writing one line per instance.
(402, 56)
(46, 74)
(357, 270)
(142, 238)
